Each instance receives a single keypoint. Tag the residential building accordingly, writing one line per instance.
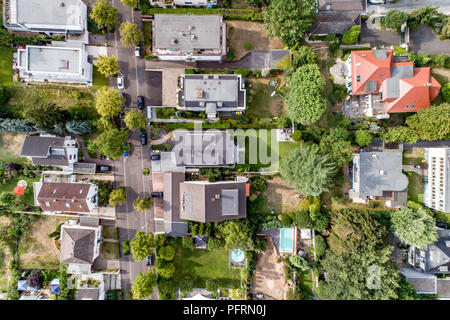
(389, 83)
(61, 62)
(195, 3)
(74, 197)
(186, 37)
(53, 17)
(48, 150)
(377, 175)
(337, 16)
(204, 201)
(197, 149)
(92, 287)
(212, 93)
(437, 188)
(80, 246)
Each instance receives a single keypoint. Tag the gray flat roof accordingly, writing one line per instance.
(49, 12)
(211, 89)
(48, 59)
(187, 32)
(381, 171)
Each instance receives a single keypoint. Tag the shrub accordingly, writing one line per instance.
(446, 92)
(186, 285)
(302, 219)
(286, 220)
(363, 137)
(243, 72)
(253, 197)
(214, 243)
(320, 246)
(187, 242)
(126, 247)
(146, 171)
(297, 135)
(265, 73)
(212, 285)
(248, 46)
(167, 253)
(259, 184)
(231, 55)
(351, 35)
(165, 269)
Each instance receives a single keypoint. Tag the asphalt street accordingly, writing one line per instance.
(410, 5)
(128, 171)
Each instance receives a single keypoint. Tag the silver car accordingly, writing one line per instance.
(120, 83)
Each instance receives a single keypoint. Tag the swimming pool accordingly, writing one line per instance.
(287, 240)
(237, 255)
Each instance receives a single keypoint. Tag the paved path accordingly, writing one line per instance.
(410, 5)
(411, 168)
(163, 139)
(424, 40)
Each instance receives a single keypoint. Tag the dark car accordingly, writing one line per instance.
(157, 194)
(140, 102)
(148, 261)
(103, 168)
(156, 157)
(143, 137)
(125, 99)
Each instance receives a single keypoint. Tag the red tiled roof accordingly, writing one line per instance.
(369, 68)
(415, 92)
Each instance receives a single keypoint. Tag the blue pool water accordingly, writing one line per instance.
(287, 240)
(237, 255)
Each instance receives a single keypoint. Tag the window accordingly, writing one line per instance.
(413, 106)
(358, 78)
(407, 106)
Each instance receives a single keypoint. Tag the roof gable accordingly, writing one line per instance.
(370, 65)
(77, 245)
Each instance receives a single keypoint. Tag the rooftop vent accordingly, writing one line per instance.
(381, 172)
(428, 84)
(67, 205)
(64, 64)
(217, 196)
(191, 27)
(173, 41)
(61, 4)
(193, 37)
(54, 191)
(81, 191)
(199, 93)
(374, 156)
(181, 33)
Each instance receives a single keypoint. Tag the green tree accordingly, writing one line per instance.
(117, 197)
(351, 35)
(165, 269)
(142, 245)
(363, 137)
(167, 253)
(130, 34)
(399, 134)
(395, 18)
(445, 31)
(446, 92)
(431, 123)
(289, 19)
(337, 146)
(130, 3)
(257, 3)
(304, 100)
(107, 66)
(111, 142)
(304, 55)
(142, 287)
(108, 102)
(237, 234)
(307, 170)
(186, 285)
(142, 204)
(302, 219)
(45, 116)
(320, 246)
(79, 127)
(166, 289)
(104, 14)
(414, 227)
(299, 263)
(349, 228)
(212, 285)
(134, 119)
(423, 15)
(7, 198)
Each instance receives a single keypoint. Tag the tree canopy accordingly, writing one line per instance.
(431, 123)
(237, 234)
(107, 66)
(104, 14)
(351, 35)
(167, 253)
(108, 102)
(336, 144)
(111, 142)
(307, 170)
(134, 119)
(304, 98)
(130, 3)
(289, 19)
(142, 204)
(414, 227)
(117, 197)
(130, 34)
(142, 287)
(45, 116)
(363, 137)
(395, 18)
(165, 269)
(142, 245)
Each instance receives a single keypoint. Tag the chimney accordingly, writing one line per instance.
(217, 196)
(190, 27)
(199, 93)
(61, 4)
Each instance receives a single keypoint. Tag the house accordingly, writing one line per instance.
(186, 37)
(195, 3)
(389, 83)
(173, 224)
(204, 201)
(80, 246)
(212, 93)
(58, 197)
(377, 175)
(61, 62)
(92, 287)
(48, 150)
(53, 17)
(437, 192)
(197, 149)
(337, 16)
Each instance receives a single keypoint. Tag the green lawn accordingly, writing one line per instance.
(98, 80)
(110, 233)
(6, 54)
(306, 282)
(415, 187)
(28, 197)
(109, 250)
(261, 104)
(201, 265)
(7, 155)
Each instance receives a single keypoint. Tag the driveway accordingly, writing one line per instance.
(410, 5)
(423, 40)
(154, 89)
(379, 36)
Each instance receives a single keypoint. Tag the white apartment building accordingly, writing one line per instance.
(437, 193)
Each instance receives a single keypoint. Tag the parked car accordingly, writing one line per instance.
(126, 153)
(156, 157)
(137, 52)
(120, 83)
(122, 94)
(140, 102)
(102, 168)
(148, 261)
(157, 194)
(143, 137)
(377, 1)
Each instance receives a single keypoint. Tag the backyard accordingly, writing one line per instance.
(6, 70)
(201, 265)
(28, 197)
(261, 104)
(10, 146)
(242, 32)
(36, 249)
(98, 80)
(110, 250)
(413, 156)
(415, 187)
(4, 258)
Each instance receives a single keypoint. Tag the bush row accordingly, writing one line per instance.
(228, 14)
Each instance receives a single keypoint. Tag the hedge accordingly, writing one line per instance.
(228, 14)
(275, 224)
